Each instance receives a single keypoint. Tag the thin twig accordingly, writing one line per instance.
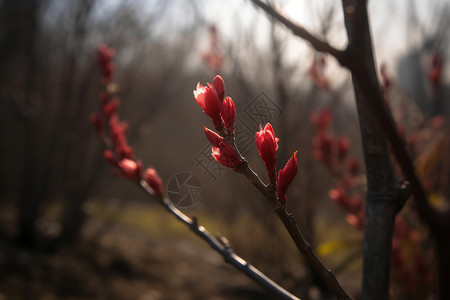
(291, 226)
(318, 44)
(223, 248)
(220, 247)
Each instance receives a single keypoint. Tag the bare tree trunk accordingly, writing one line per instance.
(384, 198)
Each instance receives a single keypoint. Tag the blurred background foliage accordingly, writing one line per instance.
(63, 210)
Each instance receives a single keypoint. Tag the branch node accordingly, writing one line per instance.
(194, 222)
(224, 242)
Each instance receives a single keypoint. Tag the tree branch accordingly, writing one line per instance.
(300, 31)
(291, 226)
(222, 247)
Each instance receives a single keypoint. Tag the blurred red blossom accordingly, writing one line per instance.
(152, 178)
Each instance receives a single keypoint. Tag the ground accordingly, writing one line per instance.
(118, 261)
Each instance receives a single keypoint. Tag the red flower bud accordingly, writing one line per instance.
(208, 99)
(267, 144)
(119, 140)
(110, 108)
(343, 144)
(154, 181)
(130, 169)
(355, 221)
(117, 134)
(285, 177)
(226, 155)
(352, 166)
(213, 137)
(97, 122)
(341, 197)
(124, 150)
(219, 85)
(323, 143)
(110, 157)
(324, 118)
(104, 61)
(228, 113)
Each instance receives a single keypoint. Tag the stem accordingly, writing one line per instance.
(300, 31)
(291, 226)
(222, 247)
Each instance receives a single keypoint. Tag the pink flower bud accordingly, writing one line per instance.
(228, 113)
(154, 181)
(130, 169)
(213, 137)
(226, 155)
(219, 85)
(340, 196)
(208, 99)
(355, 221)
(267, 144)
(285, 177)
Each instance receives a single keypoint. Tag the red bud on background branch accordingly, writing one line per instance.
(104, 60)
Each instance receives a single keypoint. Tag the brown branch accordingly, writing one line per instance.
(317, 43)
(222, 247)
(291, 226)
